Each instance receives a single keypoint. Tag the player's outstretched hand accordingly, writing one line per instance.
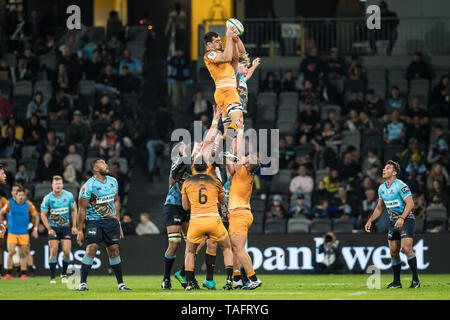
(368, 226)
(256, 62)
(80, 238)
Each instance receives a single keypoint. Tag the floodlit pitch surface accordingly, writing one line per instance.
(275, 287)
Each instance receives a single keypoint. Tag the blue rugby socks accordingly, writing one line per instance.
(116, 265)
(396, 268)
(86, 265)
(412, 262)
(52, 264)
(168, 263)
(66, 262)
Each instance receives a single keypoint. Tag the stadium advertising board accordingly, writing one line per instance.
(277, 254)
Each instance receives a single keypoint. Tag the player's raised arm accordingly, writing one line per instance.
(227, 54)
(82, 204)
(238, 152)
(252, 69)
(375, 215)
(212, 132)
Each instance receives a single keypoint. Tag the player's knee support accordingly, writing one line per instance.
(174, 237)
(234, 107)
(226, 120)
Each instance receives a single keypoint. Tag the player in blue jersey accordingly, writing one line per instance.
(176, 218)
(18, 212)
(394, 196)
(99, 220)
(243, 73)
(61, 224)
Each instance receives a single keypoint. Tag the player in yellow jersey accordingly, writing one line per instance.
(200, 194)
(240, 217)
(222, 66)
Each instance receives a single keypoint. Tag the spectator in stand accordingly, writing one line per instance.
(324, 156)
(288, 82)
(91, 68)
(439, 149)
(336, 66)
(323, 210)
(416, 168)
(109, 82)
(10, 146)
(270, 83)
(437, 195)
(418, 130)
(332, 180)
(128, 225)
(72, 64)
(328, 92)
(5, 71)
(114, 26)
(145, 226)
(388, 30)
(441, 92)
(177, 20)
(73, 158)
(309, 118)
(286, 156)
(200, 105)
(416, 110)
(366, 208)
(50, 138)
(89, 47)
(395, 102)
(355, 103)
(413, 148)
(114, 47)
(22, 72)
(22, 174)
(419, 206)
(356, 71)
(349, 170)
(37, 106)
(33, 132)
(47, 168)
(370, 161)
(346, 204)
(32, 61)
(418, 68)
(77, 132)
(110, 146)
(134, 64)
(105, 107)
(320, 192)
(61, 79)
(121, 178)
(354, 122)
(59, 106)
(299, 208)
(374, 105)
(329, 134)
(79, 103)
(18, 129)
(312, 56)
(438, 172)
(309, 93)
(5, 107)
(367, 125)
(395, 131)
(302, 182)
(312, 72)
(333, 119)
(127, 82)
(276, 209)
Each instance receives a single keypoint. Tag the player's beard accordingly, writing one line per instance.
(103, 172)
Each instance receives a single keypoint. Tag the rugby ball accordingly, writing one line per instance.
(237, 24)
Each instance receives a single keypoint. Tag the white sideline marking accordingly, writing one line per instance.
(356, 293)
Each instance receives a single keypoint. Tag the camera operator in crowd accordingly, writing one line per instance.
(332, 262)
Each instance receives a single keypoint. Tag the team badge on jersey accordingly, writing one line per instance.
(212, 55)
(405, 189)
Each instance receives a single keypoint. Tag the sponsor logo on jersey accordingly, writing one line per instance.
(392, 203)
(405, 189)
(212, 55)
(59, 210)
(105, 199)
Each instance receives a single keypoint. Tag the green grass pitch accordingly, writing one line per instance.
(275, 287)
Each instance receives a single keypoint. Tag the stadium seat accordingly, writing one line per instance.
(96, 34)
(396, 74)
(379, 87)
(258, 216)
(391, 151)
(402, 85)
(29, 152)
(256, 228)
(267, 99)
(436, 213)
(320, 174)
(286, 127)
(31, 165)
(287, 114)
(266, 113)
(297, 225)
(258, 204)
(420, 225)
(320, 225)
(20, 106)
(23, 88)
(6, 88)
(137, 33)
(253, 88)
(275, 70)
(376, 75)
(48, 61)
(288, 98)
(419, 86)
(88, 162)
(372, 140)
(11, 59)
(40, 190)
(351, 138)
(45, 87)
(122, 162)
(11, 162)
(281, 181)
(59, 125)
(338, 84)
(72, 188)
(351, 85)
(343, 226)
(137, 49)
(273, 226)
(439, 110)
(440, 120)
(303, 150)
(86, 87)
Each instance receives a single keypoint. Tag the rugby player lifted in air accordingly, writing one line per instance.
(395, 196)
(99, 220)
